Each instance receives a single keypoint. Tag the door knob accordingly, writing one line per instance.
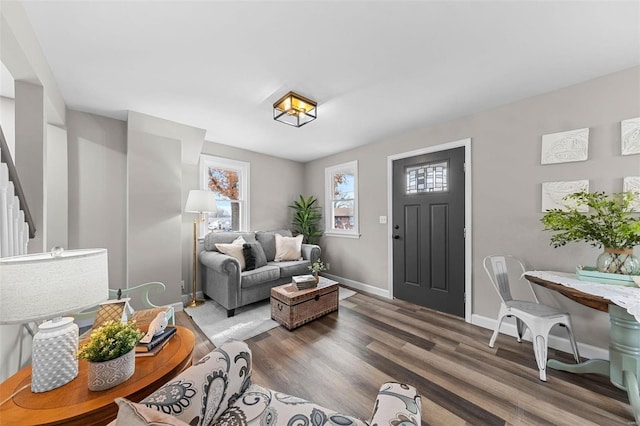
(396, 237)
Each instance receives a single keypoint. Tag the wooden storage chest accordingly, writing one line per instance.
(293, 308)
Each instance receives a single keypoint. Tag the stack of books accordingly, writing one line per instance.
(303, 282)
(156, 344)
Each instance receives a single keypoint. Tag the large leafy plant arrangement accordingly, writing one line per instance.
(110, 341)
(610, 222)
(306, 218)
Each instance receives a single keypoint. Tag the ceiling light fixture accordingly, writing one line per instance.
(295, 110)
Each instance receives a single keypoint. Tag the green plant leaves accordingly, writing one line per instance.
(306, 218)
(609, 223)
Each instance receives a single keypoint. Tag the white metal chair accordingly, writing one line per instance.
(140, 294)
(538, 318)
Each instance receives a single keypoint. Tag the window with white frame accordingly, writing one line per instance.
(229, 180)
(341, 200)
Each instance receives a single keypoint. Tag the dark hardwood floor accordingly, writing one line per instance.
(340, 360)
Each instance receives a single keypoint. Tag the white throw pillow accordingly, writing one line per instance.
(234, 250)
(288, 248)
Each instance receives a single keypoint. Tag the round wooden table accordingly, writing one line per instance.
(75, 404)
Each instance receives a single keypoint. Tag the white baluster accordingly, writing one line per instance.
(20, 239)
(25, 242)
(10, 200)
(16, 235)
(4, 211)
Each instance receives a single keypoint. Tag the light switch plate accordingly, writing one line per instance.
(383, 219)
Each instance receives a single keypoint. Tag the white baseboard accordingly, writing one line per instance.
(555, 342)
(360, 286)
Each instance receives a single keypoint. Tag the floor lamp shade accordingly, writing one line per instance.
(45, 286)
(200, 201)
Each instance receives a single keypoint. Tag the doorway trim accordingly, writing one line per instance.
(466, 143)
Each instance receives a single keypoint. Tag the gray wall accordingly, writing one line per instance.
(97, 188)
(507, 177)
(154, 212)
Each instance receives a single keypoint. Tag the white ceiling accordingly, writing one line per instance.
(376, 68)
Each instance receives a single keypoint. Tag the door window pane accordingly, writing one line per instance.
(428, 177)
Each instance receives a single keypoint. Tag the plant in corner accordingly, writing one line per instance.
(610, 223)
(306, 218)
(111, 354)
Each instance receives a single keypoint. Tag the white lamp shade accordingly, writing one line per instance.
(200, 201)
(43, 286)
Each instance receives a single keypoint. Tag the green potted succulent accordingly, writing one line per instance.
(306, 218)
(111, 354)
(610, 223)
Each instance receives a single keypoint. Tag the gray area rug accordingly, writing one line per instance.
(248, 321)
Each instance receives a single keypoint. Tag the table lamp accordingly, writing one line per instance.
(198, 201)
(46, 286)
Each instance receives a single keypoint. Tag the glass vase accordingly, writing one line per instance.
(618, 261)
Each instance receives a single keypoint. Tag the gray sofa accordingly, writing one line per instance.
(224, 281)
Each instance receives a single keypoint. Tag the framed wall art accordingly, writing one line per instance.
(632, 183)
(630, 136)
(565, 147)
(554, 192)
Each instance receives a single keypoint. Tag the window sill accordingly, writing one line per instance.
(342, 234)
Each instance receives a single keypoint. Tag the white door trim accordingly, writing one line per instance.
(466, 143)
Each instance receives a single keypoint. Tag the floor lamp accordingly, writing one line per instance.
(201, 202)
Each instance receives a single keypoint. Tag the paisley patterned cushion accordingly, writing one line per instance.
(264, 407)
(200, 394)
(217, 391)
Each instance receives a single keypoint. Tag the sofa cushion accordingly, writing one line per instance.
(291, 268)
(212, 238)
(201, 393)
(262, 406)
(288, 248)
(259, 276)
(268, 241)
(134, 414)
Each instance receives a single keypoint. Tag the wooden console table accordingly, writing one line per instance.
(623, 367)
(75, 404)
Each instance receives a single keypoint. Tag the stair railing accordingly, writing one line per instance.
(16, 223)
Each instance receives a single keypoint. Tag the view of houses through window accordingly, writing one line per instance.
(342, 202)
(227, 179)
(225, 184)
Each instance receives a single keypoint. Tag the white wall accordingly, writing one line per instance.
(30, 157)
(57, 188)
(507, 177)
(8, 122)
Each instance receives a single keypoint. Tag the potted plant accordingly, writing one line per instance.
(317, 267)
(306, 219)
(111, 354)
(610, 223)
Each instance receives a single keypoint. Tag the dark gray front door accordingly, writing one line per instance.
(428, 230)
